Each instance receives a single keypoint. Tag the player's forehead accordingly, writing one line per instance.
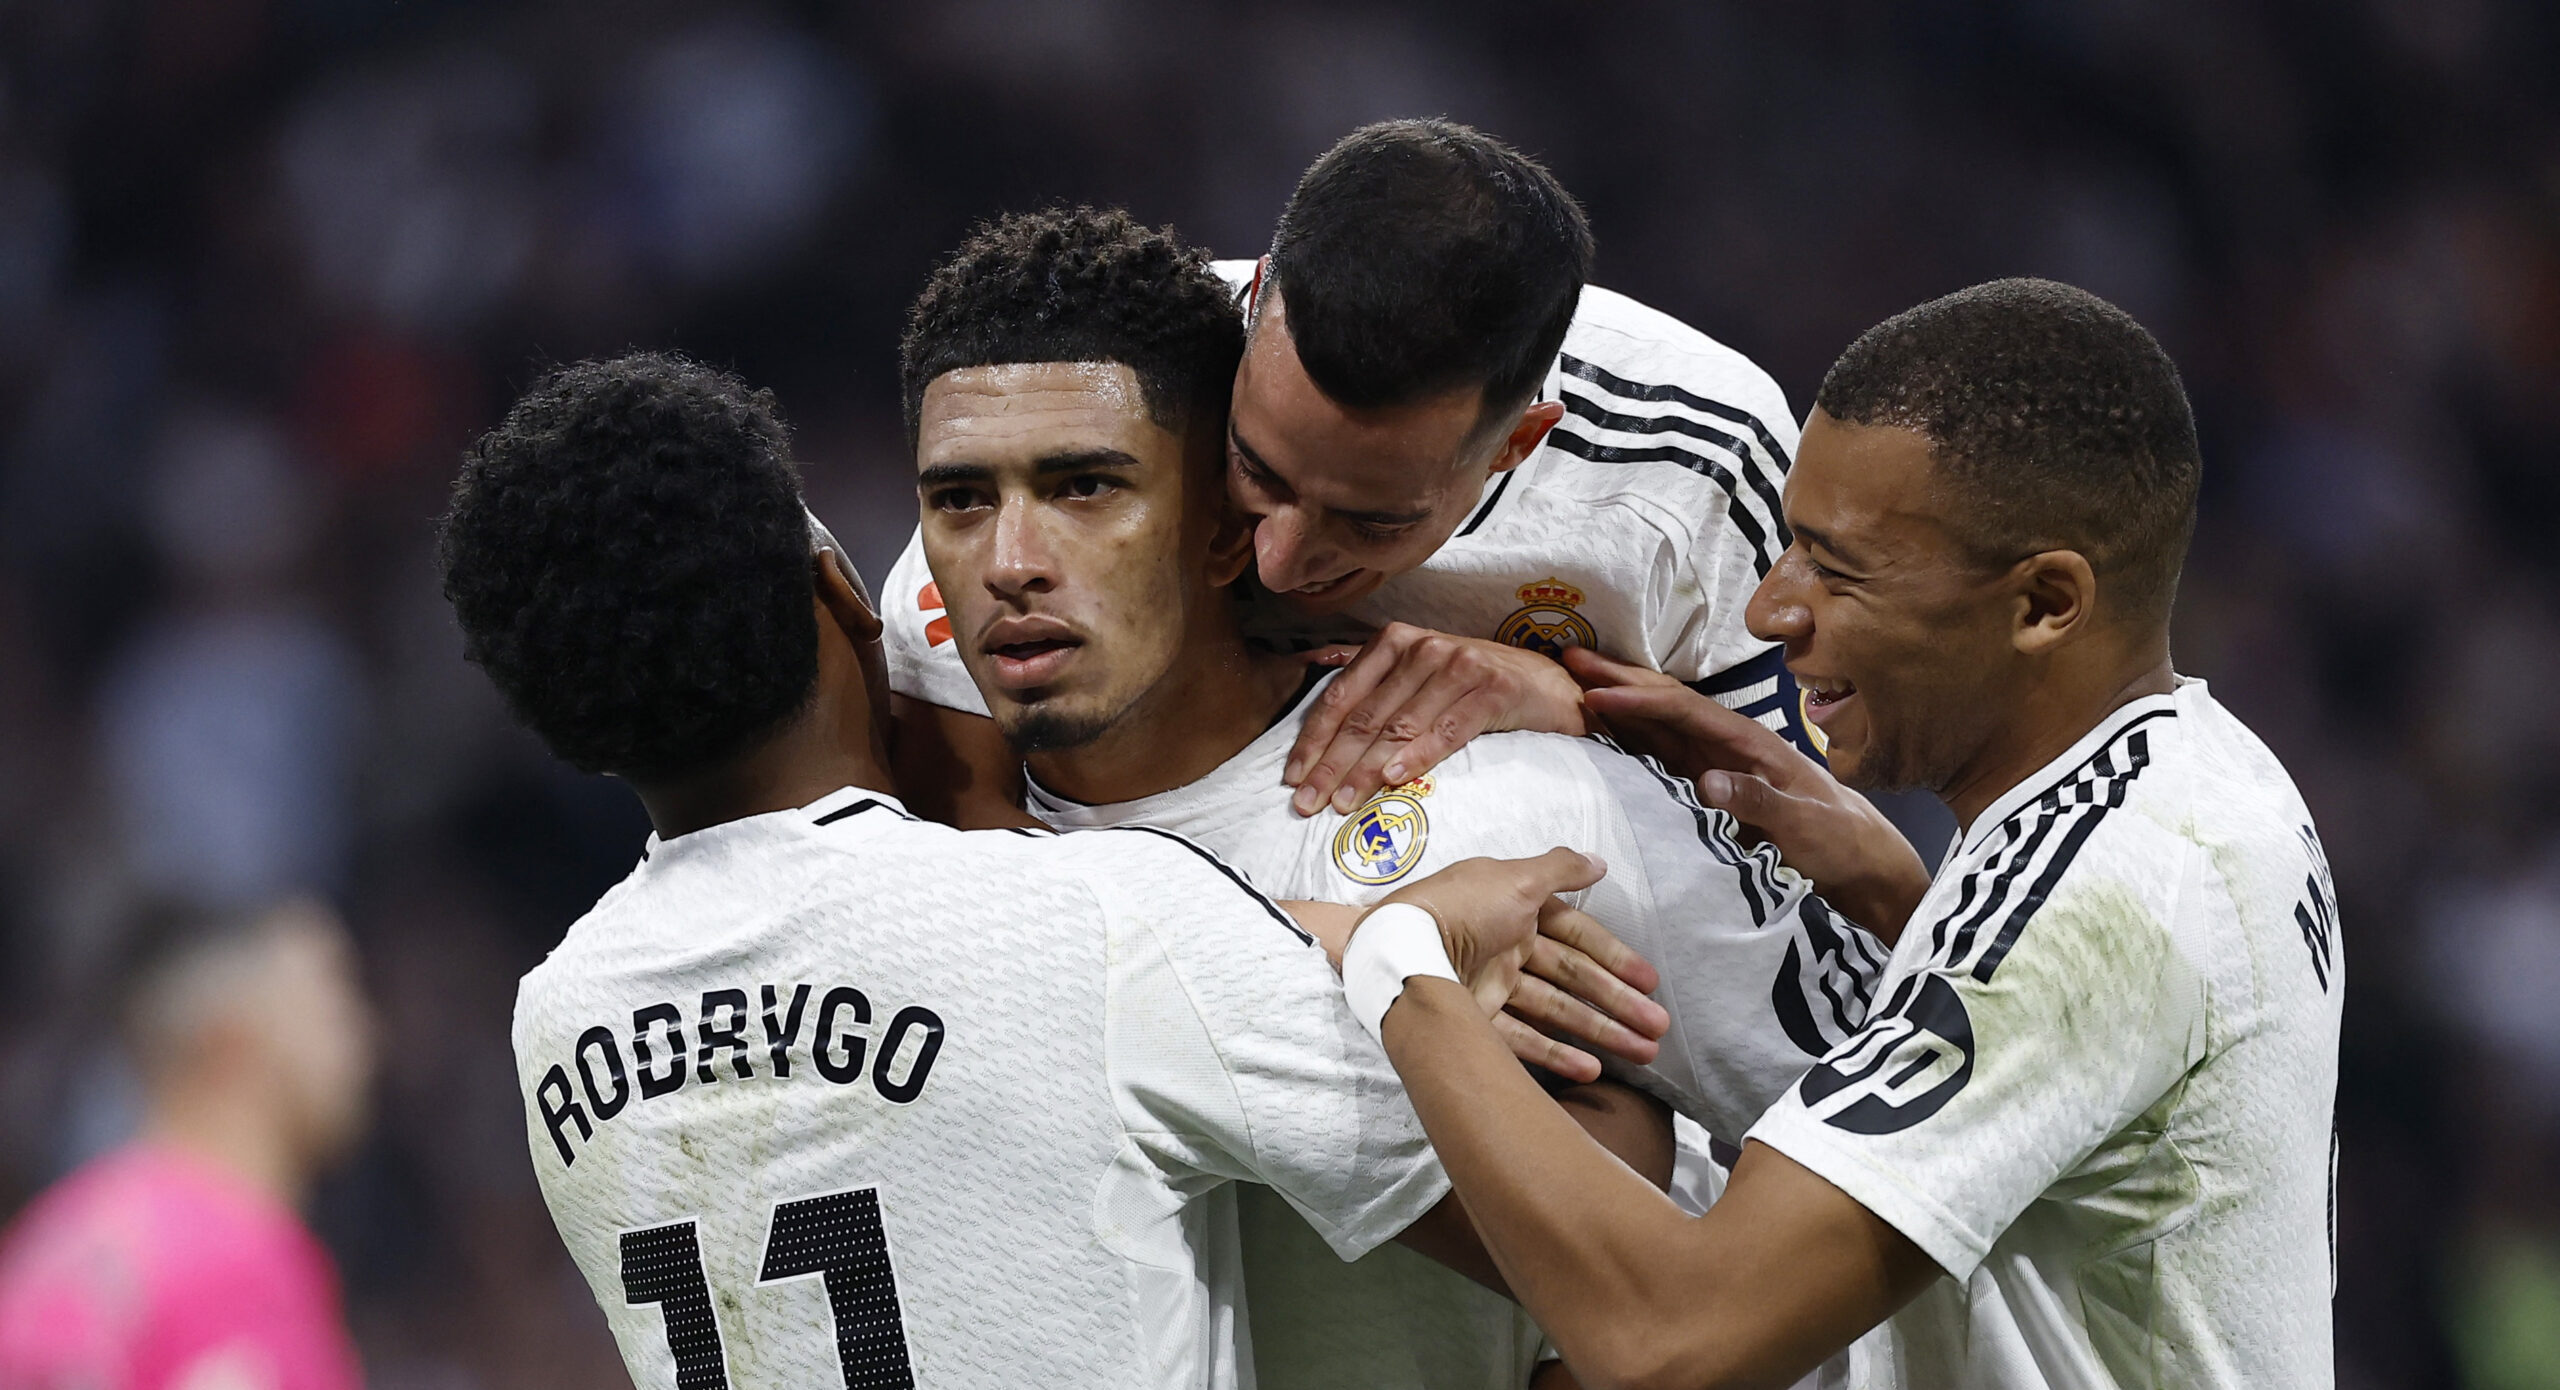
(1860, 482)
(1359, 460)
(1026, 411)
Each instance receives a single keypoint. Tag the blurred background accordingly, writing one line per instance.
(266, 264)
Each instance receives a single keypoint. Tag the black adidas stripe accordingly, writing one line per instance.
(1760, 480)
(1743, 520)
(1617, 385)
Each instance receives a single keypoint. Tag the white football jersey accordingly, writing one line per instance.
(1760, 978)
(838, 1097)
(2097, 1081)
(1639, 527)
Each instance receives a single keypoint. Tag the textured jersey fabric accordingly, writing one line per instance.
(2096, 1085)
(151, 1270)
(1639, 527)
(835, 1096)
(1759, 976)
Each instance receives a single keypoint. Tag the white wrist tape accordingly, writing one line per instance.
(1394, 944)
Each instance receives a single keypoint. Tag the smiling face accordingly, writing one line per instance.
(1900, 635)
(1070, 534)
(1344, 500)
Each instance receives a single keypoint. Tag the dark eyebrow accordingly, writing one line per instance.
(1073, 461)
(1382, 519)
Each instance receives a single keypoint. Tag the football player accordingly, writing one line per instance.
(823, 1094)
(2084, 1138)
(1442, 435)
(1084, 547)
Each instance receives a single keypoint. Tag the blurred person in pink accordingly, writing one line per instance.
(178, 1262)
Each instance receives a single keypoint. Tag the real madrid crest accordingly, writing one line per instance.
(1383, 840)
(1546, 621)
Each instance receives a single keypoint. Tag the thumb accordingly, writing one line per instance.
(1562, 870)
(1746, 798)
(1594, 670)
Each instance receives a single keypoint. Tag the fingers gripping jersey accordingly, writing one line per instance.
(1639, 527)
(834, 1097)
(2096, 1085)
(1759, 976)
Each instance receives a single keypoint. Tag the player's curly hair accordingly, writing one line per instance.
(2059, 421)
(1080, 285)
(628, 556)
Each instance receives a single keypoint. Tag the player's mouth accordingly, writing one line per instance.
(1317, 593)
(1029, 651)
(1823, 698)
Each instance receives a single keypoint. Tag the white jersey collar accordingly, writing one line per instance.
(2146, 709)
(836, 805)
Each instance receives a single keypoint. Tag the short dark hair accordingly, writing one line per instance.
(2059, 420)
(629, 559)
(1419, 257)
(1080, 285)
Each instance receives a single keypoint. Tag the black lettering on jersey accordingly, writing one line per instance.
(911, 1017)
(1827, 980)
(654, 1086)
(600, 1040)
(821, 1046)
(731, 1034)
(1902, 1068)
(779, 1040)
(559, 1105)
(2317, 913)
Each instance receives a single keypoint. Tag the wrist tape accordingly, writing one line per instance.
(1393, 944)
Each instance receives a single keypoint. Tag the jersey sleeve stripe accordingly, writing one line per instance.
(1743, 520)
(1765, 483)
(1620, 386)
(1234, 877)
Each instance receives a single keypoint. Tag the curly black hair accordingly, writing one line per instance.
(2059, 420)
(1080, 285)
(1423, 256)
(629, 559)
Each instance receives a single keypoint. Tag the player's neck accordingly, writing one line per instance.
(834, 743)
(2055, 714)
(1219, 696)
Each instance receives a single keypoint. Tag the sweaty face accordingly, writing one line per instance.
(1344, 500)
(1898, 635)
(1057, 520)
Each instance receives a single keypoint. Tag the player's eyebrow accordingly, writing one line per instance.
(1069, 461)
(1378, 519)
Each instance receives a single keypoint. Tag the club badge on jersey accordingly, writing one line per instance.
(1384, 839)
(1546, 620)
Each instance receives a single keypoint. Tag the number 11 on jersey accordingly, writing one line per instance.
(837, 1237)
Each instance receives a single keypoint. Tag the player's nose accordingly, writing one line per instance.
(1281, 551)
(1020, 557)
(1777, 611)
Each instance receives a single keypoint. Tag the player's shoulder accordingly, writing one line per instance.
(1149, 877)
(1625, 352)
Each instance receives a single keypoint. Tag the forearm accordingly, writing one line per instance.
(1583, 1241)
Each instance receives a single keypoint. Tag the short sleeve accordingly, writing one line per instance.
(1985, 1077)
(1234, 1054)
(924, 663)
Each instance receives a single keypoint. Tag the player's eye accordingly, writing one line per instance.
(957, 499)
(1088, 485)
(1824, 572)
(1371, 531)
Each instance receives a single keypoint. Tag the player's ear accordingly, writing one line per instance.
(1527, 433)
(841, 593)
(2056, 593)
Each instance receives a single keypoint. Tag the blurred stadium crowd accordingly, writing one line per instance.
(266, 264)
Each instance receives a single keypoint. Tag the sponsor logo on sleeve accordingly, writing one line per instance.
(1384, 839)
(1546, 620)
(1902, 1068)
